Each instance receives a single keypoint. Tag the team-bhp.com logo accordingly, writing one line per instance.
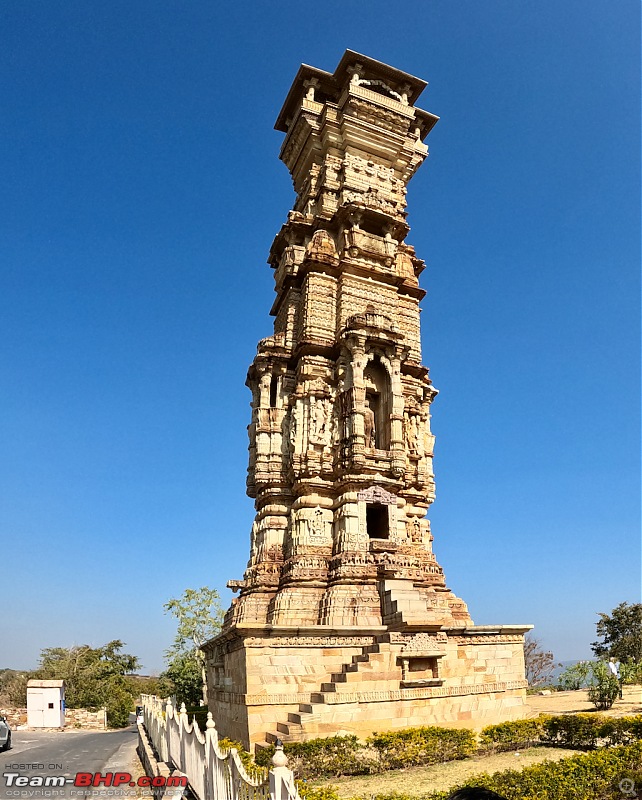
(94, 779)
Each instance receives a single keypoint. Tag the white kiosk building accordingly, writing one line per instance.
(46, 704)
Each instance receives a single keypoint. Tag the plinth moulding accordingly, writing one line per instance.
(344, 622)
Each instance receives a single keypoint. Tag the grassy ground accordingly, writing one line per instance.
(417, 780)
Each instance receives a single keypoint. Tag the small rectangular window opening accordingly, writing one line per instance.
(274, 386)
(426, 666)
(51, 705)
(377, 521)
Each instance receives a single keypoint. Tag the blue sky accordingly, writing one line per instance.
(141, 193)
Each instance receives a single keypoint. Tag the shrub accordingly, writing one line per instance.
(575, 677)
(631, 672)
(346, 755)
(251, 767)
(512, 735)
(580, 731)
(604, 687)
(620, 730)
(119, 703)
(198, 713)
(307, 792)
(592, 776)
(425, 746)
(324, 758)
(635, 725)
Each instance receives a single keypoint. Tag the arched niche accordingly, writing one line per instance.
(378, 402)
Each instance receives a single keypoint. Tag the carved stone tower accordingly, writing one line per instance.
(344, 621)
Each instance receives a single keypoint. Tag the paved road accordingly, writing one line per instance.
(49, 753)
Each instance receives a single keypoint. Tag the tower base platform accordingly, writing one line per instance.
(299, 683)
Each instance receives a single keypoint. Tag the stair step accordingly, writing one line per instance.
(299, 736)
(283, 727)
(293, 729)
(300, 718)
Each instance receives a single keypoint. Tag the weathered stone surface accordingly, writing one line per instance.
(344, 620)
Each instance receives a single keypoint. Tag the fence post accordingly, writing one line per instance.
(169, 713)
(282, 785)
(212, 790)
(182, 722)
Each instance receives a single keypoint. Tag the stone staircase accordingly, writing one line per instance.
(403, 607)
(402, 604)
(313, 718)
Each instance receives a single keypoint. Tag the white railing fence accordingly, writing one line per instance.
(213, 773)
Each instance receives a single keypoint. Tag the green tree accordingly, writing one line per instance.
(200, 617)
(620, 634)
(13, 687)
(94, 677)
(184, 678)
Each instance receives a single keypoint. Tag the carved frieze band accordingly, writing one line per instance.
(309, 641)
(424, 693)
(499, 639)
(375, 494)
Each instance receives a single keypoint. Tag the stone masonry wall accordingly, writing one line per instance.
(15, 716)
(79, 718)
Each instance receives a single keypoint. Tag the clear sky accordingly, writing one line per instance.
(141, 192)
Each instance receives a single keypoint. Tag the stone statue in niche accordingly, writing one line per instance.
(330, 424)
(336, 423)
(414, 530)
(369, 426)
(253, 541)
(292, 429)
(318, 422)
(410, 432)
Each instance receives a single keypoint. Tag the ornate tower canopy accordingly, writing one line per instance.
(365, 110)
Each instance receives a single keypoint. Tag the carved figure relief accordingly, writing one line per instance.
(317, 421)
(316, 525)
(375, 494)
(253, 541)
(410, 432)
(293, 429)
(413, 526)
(287, 434)
(369, 426)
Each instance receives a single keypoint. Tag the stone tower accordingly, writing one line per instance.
(344, 621)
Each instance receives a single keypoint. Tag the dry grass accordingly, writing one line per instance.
(578, 703)
(419, 780)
